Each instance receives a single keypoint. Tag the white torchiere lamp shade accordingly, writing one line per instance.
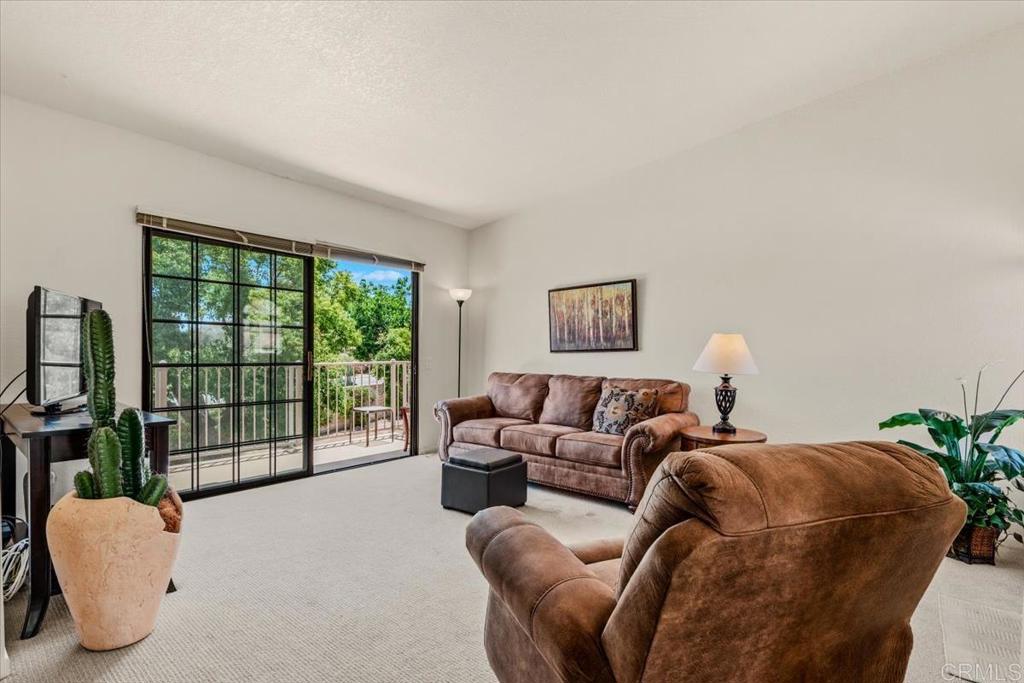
(725, 355)
(460, 295)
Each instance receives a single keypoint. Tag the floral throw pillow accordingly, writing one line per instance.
(620, 409)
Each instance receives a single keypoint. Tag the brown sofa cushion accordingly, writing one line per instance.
(673, 396)
(517, 395)
(591, 448)
(571, 401)
(534, 438)
(485, 431)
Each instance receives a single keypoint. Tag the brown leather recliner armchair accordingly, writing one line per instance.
(745, 563)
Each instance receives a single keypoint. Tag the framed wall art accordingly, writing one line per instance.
(598, 317)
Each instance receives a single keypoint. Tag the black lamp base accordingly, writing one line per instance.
(725, 399)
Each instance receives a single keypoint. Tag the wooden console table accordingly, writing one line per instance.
(44, 441)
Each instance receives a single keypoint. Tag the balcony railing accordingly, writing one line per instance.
(338, 388)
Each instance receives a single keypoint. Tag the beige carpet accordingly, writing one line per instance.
(362, 576)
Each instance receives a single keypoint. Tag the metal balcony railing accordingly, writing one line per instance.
(338, 388)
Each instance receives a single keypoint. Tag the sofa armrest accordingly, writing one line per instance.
(600, 550)
(559, 603)
(659, 433)
(451, 411)
(646, 444)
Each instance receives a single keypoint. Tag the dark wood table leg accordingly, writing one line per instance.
(8, 476)
(159, 451)
(40, 569)
(160, 462)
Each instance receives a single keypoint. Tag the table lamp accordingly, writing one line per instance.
(725, 355)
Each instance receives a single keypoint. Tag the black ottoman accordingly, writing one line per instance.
(482, 478)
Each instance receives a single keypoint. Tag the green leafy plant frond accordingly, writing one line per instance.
(976, 467)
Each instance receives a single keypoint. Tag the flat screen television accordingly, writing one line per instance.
(53, 324)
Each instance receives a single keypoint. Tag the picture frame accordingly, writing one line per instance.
(593, 318)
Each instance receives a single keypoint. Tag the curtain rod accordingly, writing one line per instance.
(282, 244)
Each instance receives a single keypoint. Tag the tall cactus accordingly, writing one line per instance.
(117, 449)
(98, 364)
(133, 451)
(105, 451)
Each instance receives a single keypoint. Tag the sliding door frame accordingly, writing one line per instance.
(306, 365)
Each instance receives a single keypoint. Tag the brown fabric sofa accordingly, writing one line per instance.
(745, 563)
(547, 418)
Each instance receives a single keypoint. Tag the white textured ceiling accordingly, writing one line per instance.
(462, 112)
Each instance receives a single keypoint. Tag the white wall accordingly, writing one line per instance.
(869, 245)
(68, 192)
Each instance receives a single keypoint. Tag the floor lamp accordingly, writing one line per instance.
(460, 296)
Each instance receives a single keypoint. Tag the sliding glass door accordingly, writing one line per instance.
(228, 339)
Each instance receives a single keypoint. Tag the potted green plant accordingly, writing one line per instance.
(977, 468)
(114, 538)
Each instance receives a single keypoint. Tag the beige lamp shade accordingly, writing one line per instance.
(726, 354)
(460, 294)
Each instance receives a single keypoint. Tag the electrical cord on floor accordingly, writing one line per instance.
(14, 561)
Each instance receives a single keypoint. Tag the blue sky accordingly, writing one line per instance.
(384, 275)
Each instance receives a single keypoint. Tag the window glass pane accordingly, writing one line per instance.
(180, 471)
(172, 387)
(289, 308)
(256, 306)
(215, 385)
(216, 262)
(290, 342)
(172, 343)
(172, 256)
(58, 303)
(62, 340)
(289, 455)
(214, 427)
(289, 272)
(254, 422)
(254, 267)
(257, 344)
(287, 419)
(255, 384)
(216, 343)
(216, 468)
(288, 382)
(172, 299)
(60, 382)
(254, 461)
(216, 302)
(180, 433)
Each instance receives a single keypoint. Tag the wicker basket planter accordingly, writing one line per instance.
(975, 545)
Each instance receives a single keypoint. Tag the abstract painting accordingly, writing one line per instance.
(600, 317)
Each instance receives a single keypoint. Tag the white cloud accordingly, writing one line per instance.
(381, 276)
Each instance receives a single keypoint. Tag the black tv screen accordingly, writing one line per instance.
(54, 346)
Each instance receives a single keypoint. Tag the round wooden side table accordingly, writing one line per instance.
(701, 436)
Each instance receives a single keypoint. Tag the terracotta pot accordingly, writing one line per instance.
(113, 560)
(975, 545)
